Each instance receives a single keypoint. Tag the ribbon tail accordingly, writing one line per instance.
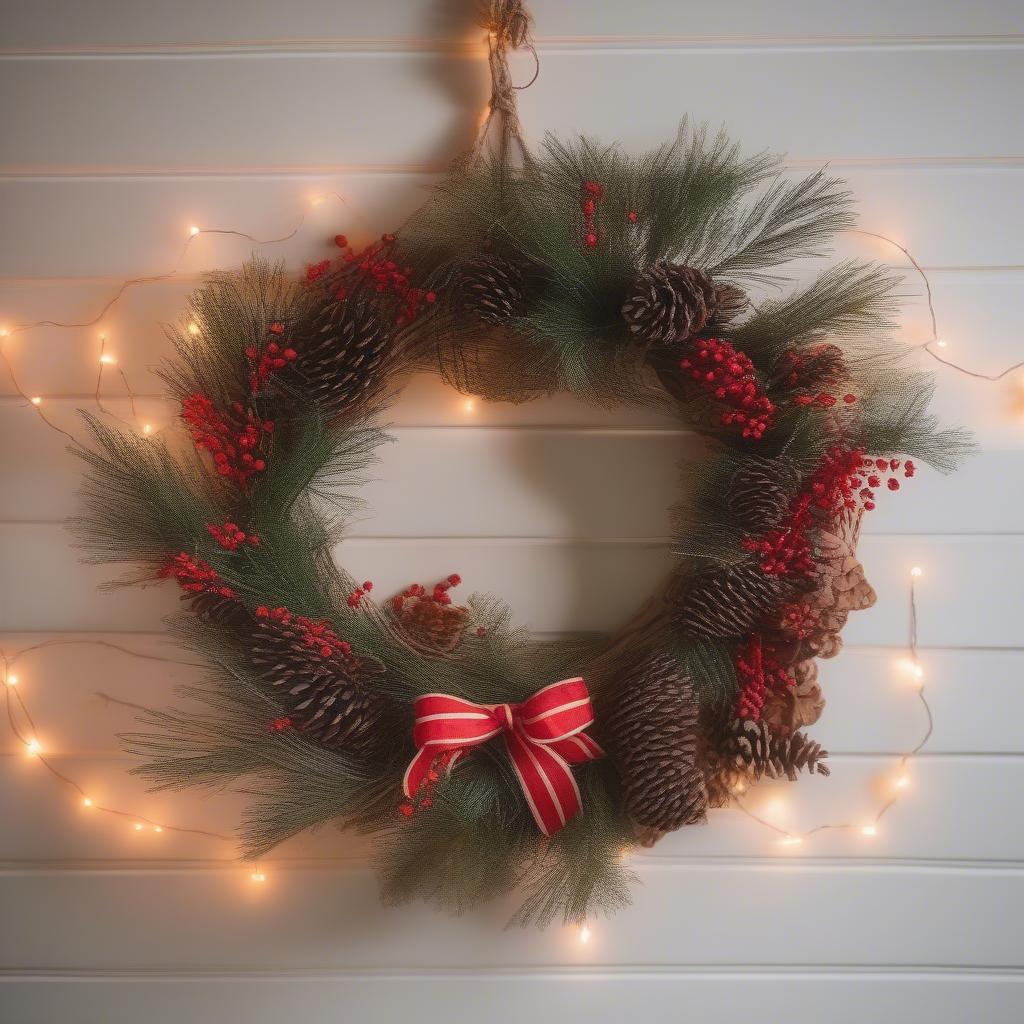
(547, 783)
(417, 771)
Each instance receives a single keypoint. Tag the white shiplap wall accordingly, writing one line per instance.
(123, 123)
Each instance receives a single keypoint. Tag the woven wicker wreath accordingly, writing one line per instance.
(474, 754)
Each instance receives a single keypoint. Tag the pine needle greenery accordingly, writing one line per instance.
(518, 281)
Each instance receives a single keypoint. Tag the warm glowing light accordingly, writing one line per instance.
(790, 841)
(901, 782)
(86, 801)
(469, 405)
(138, 826)
(913, 668)
(158, 828)
(36, 400)
(258, 876)
(584, 935)
(193, 328)
(5, 332)
(193, 230)
(940, 342)
(12, 679)
(869, 831)
(739, 788)
(148, 428)
(33, 746)
(917, 572)
(316, 200)
(486, 113)
(107, 359)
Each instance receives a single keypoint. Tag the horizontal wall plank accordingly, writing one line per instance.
(171, 920)
(938, 818)
(543, 482)
(601, 997)
(972, 307)
(972, 597)
(177, 113)
(870, 707)
(63, 25)
(135, 226)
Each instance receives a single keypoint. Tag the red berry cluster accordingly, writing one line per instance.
(316, 635)
(716, 367)
(799, 619)
(230, 537)
(195, 576)
(263, 364)
(592, 193)
(439, 594)
(235, 442)
(359, 593)
(375, 266)
(314, 271)
(823, 400)
(844, 480)
(758, 673)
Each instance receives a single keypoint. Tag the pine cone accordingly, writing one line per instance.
(651, 734)
(792, 707)
(812, 370)
(490, 289)
(342, 356)
(727, 603)
(760, 492)
(332, 698)
(669, 302)
(756, 750)
(433, 624)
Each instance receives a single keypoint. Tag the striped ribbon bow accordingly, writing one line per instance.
(544, 736)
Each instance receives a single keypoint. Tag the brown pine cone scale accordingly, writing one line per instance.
(651, 734)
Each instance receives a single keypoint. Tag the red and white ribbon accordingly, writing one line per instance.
(544, 736)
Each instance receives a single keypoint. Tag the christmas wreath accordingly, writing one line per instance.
(482, 760)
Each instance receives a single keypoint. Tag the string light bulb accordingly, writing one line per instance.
(5, 332)
(193, 230)
(158, 828)
(107, 359)
(148, 428)
(259, 877)
(869, 831)
(33, 746)
(917, 572)
(86, 801)
(12, 679)
(36, 400)
(940, 342)
(138, 826)
(469, 405)
(790, 841)
(584, 935)
(901, 781)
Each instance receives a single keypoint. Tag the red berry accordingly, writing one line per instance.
(340, 241)
(591, 239)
